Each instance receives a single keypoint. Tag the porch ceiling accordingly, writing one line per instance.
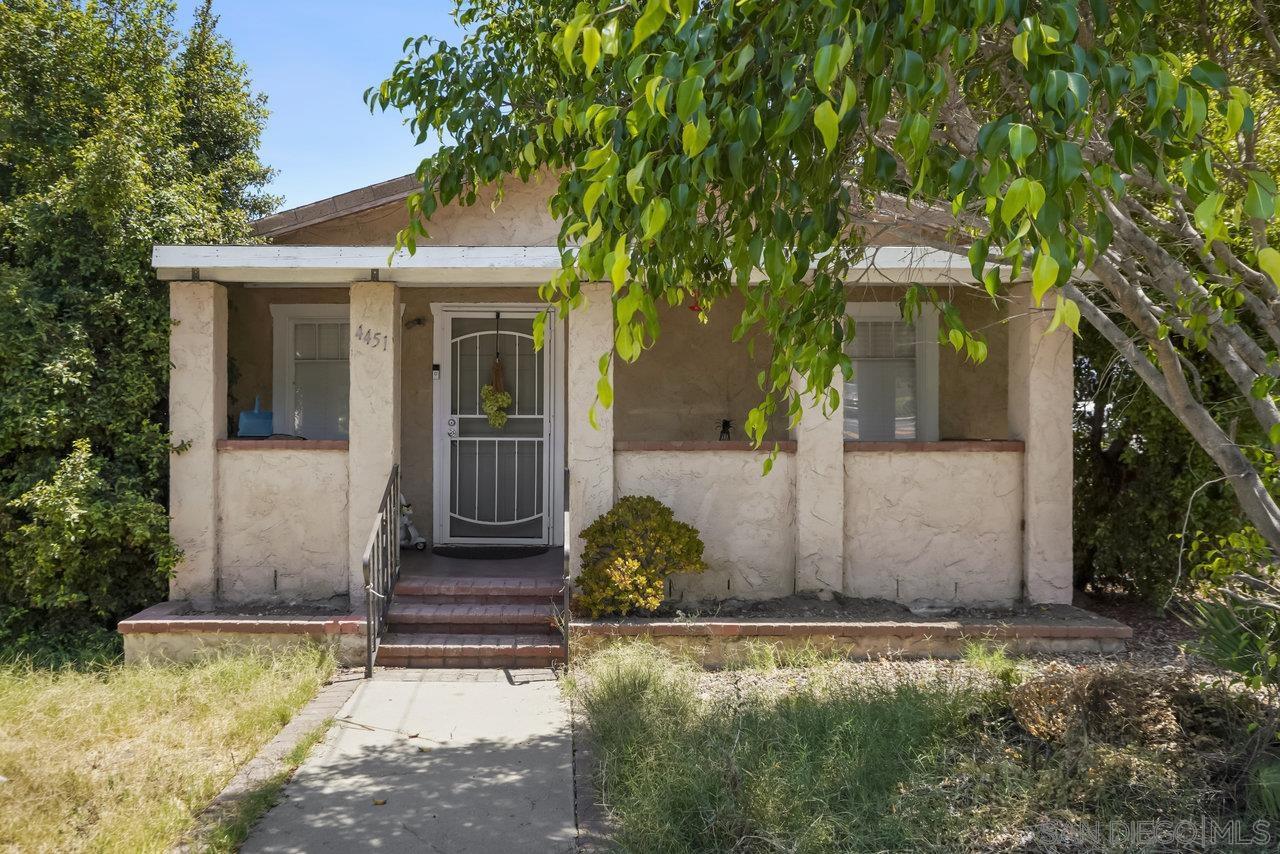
(468, 265)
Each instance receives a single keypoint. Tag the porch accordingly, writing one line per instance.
(941, 483)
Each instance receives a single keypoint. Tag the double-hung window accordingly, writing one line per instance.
(311, 370)
(893, 393)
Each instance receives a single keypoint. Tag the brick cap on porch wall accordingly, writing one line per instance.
(785, 446)
(283, 445)
(788, 446)
(174, 617)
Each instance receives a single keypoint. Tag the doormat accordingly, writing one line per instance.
(489, 552)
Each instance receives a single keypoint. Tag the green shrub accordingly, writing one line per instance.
(630, 553)
(96, 166)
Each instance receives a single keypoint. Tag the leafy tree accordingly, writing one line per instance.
(1140, 480)
(1107, 150)
(115, 133)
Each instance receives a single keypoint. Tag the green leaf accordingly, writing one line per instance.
(1044, 275)
(621, 264)
(1070, 163)
(1235, 116)
(635, 177)
(1269, 261)
(1260, 198)
(695, 136)
(1210, 74)
(741, 61)
(828, 124)
(879, 103)
(604, 392)
(1035, 197)
(991, 281)
(1015, 200)
(1070, 314)
(825, 66)
(592, 195)
(978, 257)
(590, 49)
(1022, 142)
(1020, 52)
(686, 9)
(749, 127)
(654, 217)
(649, 22)
(689, 97)
(1206, 214)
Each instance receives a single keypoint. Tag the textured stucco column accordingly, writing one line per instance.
(819, 499)
(1040, 400)
(589, 454)
(197, 418)
(374, 413)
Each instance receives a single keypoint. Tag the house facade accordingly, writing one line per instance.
(941, 483)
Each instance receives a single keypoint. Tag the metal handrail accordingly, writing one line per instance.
(381, 565)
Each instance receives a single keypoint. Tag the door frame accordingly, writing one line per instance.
(554, 347)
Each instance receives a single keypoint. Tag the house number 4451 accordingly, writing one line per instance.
(372, 339)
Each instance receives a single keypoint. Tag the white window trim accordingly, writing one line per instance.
(283, 317)
(926, 327)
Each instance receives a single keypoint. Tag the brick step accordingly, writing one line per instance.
(451, 650)
(478, 591)
(481, 599)
(471, 619)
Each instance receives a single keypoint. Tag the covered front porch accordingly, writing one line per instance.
(943, 482)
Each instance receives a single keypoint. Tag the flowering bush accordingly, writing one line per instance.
(630, 553)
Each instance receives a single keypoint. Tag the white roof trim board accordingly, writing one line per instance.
(470, 265)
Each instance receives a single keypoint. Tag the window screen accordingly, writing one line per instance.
(880, 401)
(321, 379)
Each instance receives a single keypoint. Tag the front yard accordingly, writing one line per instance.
(123, 758)
(985, 754)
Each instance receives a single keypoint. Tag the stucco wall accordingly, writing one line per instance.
(692, 377)
(745, 519)
(521, 219)
(940, 526)
(282, 526)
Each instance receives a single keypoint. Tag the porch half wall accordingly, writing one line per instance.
(979, 521)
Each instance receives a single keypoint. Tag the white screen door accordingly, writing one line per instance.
(494, 484)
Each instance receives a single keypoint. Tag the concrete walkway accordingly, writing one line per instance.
(443, 761)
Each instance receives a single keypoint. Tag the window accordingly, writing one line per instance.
(311, 372)
(893, 394)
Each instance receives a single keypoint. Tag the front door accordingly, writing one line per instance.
(493, 472)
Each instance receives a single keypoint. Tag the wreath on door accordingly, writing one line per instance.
(494, 398)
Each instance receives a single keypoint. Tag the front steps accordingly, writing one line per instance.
(473, 622)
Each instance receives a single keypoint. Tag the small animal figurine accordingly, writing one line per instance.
(726, 430)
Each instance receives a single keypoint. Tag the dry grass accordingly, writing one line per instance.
(992, 753)
(123, 757)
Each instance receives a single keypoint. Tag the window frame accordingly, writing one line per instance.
(284, 316)
(926, 329)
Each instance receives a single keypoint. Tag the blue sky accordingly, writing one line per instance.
(314, 60)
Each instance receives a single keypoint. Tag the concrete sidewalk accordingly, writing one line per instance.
(466, 761)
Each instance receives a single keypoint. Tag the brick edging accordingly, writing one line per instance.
(168, 618)
(762, 628)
